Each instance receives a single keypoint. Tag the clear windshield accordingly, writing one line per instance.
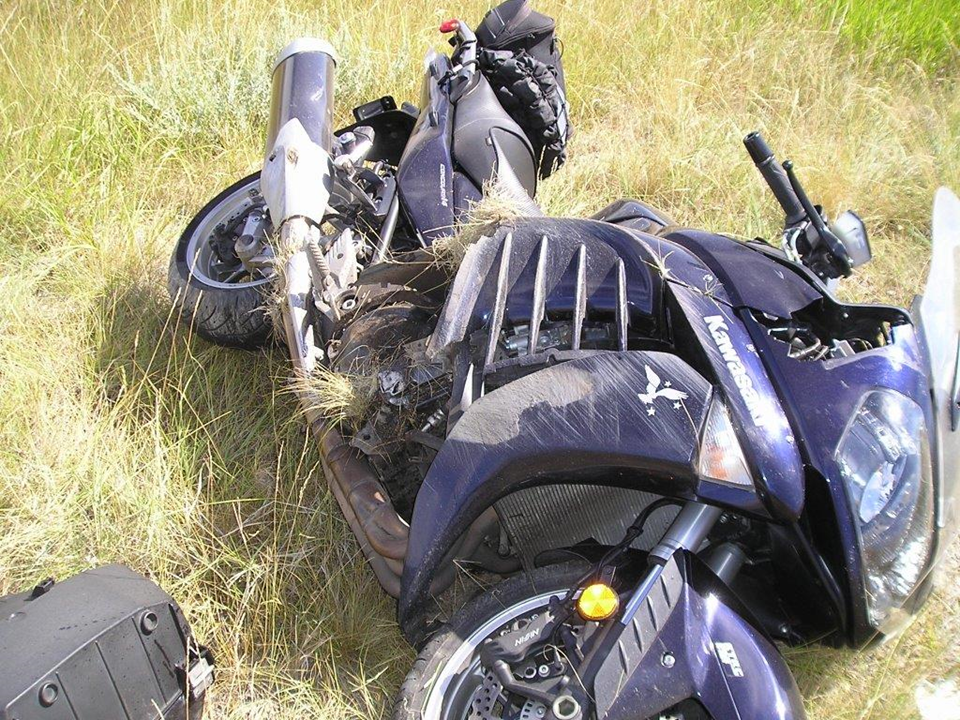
(940, 316)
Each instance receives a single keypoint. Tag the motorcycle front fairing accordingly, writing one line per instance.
(823, 396)
(580, 418)
(587, 418)
(691, 639)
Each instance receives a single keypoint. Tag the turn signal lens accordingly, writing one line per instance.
(598, 602)
(721, 457)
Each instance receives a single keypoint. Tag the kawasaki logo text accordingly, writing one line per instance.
(751, 398)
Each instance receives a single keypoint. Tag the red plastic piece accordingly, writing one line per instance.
(449, 26)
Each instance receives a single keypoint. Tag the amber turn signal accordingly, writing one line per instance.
(597, 602)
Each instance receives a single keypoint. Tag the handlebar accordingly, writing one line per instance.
(775, 177)
(822, 250)
(464, 73)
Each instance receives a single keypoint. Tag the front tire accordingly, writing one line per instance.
(219, 300)
(438, 686)
(447, 681)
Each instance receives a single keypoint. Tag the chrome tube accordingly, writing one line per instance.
(303, 88)
(688, 531)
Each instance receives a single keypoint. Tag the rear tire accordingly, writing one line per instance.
(229, 314)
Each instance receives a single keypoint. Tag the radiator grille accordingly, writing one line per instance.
(555, 516)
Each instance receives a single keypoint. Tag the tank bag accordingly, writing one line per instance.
(520, 56)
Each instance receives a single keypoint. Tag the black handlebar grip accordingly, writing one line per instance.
(775, 177)
(759, 151)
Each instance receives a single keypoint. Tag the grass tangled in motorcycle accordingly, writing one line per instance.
(343, 399)
(125, 438)
(275, 300)
(498, 207)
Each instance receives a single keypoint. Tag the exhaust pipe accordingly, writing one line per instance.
(295, 179)
(382, 532)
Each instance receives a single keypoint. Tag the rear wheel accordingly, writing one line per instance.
(221, 295)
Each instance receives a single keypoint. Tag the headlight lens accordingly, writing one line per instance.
(884, 458)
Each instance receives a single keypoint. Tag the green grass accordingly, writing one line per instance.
(925, 32)
(123, 438)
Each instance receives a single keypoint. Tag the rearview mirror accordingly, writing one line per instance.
(851, 231)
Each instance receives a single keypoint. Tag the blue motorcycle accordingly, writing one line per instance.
(677, 449)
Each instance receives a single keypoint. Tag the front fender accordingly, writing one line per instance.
(690, 639)
(613, 417)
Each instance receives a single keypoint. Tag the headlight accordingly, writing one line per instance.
(884, 458)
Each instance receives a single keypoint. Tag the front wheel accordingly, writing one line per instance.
(449, 682)
(221, 295)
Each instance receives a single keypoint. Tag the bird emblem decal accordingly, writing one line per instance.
(654, 391)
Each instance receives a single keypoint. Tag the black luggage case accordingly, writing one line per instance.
(521, 59)
(104, 644)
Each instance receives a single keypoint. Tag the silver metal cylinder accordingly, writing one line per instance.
(688, 531)
(303, 87)
(726, 560)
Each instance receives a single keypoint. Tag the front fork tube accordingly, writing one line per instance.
(687, 532)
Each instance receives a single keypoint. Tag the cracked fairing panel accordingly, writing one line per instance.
(549, 266)
(751, 278)
(627, 418)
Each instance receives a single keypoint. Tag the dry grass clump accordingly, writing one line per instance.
(275, 298)
(343, 399)
(498, 206)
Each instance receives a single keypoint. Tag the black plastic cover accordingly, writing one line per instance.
(391, 126)
(107, 643)
(634, 214)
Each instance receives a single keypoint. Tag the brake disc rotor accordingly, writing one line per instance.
(533, 710)
(486, 700)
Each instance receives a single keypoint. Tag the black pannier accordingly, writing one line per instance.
(107, 644)
(520, 57)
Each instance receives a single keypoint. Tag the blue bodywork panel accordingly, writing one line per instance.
(582, 417)
(425, 175)
(719, 658)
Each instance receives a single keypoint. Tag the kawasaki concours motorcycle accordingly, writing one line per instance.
(677, 449)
